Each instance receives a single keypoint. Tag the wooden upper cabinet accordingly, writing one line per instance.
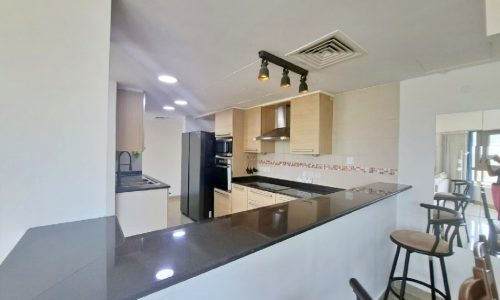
(257, 121)
(224, 123)
(311, 124)
(129, 121)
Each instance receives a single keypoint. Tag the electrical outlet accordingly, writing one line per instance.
(349, 160)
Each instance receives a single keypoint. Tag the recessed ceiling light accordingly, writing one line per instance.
(166, 107)
(180, 102)
(167, 79)
(178, 233)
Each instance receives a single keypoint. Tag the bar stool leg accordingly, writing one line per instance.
(405, 275)
(431, 272)
(445, 278)
(393, 269)
(466, 231)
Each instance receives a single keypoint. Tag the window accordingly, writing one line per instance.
(484, 144)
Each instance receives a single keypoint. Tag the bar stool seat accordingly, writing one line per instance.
(420, 242)
(442, 216)
(439, 245)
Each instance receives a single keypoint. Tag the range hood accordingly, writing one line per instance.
(282, 130)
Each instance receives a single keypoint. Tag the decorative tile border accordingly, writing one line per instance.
(328, 167)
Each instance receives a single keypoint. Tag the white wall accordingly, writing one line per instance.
(162, 156)
(192, 124)
(316, 264)
(111, 154)
(54, 62)
(469, 89)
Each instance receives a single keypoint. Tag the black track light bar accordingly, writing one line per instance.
(282, 63)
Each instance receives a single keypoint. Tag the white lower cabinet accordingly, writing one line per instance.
(142, 211)
(239, 198)
(222, 203)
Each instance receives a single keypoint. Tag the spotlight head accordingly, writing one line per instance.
(285, 80)
(264, 71)
(303, 85)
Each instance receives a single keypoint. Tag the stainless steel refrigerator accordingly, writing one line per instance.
(197, 174)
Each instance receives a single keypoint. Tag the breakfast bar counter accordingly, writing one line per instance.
(91, 259)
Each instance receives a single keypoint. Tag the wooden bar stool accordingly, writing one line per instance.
(460, 203)
(432, 245)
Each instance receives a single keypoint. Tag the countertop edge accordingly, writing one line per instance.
(215, 265)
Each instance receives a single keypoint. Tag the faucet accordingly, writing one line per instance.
(119, 172)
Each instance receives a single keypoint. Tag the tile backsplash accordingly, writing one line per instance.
(365, 143)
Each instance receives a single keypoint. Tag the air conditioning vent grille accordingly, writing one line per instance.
(328, 50)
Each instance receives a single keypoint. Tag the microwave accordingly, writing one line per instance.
(224, 147)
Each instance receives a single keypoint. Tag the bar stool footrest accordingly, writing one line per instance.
(393, 279)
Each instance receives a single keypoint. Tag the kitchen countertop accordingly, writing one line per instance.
(137, 176)
(294, 188)
(90, 259)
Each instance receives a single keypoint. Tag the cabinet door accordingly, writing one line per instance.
(262, 198)
(311, 125)
(257, 121)
(239, 199)
(222, 203)
(251, 127)
(224, 123)
(129, 121)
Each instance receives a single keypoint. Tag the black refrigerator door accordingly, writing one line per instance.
(195, 209)
(208, 170)
(185, 173)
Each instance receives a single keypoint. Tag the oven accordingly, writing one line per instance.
(224, 147)
(223, 173)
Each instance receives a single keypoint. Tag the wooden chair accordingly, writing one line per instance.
(482, 286)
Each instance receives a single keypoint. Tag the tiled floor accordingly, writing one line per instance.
(174, 215)
(476, 223)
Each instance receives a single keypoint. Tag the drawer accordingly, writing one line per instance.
(263, 198)
(222, 203)
(284, 198)
(254, 204)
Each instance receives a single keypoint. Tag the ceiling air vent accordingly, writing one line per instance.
(328, 50)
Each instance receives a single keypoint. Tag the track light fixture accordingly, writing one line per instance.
(287, 66)
(303, 85)
(264, 71)
(285, 80)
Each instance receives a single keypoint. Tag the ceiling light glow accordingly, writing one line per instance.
(167, 79)
(166, 107)
(164, 274)
(178, 233)
(180, 102)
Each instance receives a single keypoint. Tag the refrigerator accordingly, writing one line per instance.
(197, 175)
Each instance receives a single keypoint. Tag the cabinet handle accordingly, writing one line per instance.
(262, 193)
(302, 150)
(222, 194)
(238, 187)
(251, 150)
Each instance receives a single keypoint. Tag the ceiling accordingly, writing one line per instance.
(211, 46)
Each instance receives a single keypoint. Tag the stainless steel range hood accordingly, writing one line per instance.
(282, 130)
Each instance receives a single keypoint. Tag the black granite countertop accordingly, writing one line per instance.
(91, 260)
(294, 188)
(135, 181)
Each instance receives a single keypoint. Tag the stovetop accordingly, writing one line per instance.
(267, 186)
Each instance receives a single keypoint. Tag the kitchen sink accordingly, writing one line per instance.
(129, 182)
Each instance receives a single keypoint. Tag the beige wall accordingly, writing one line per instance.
(365, 128)
(162, 155)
